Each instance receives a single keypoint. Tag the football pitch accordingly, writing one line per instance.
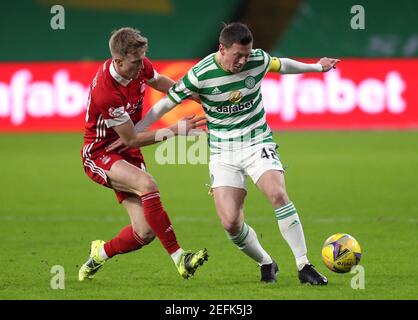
(361, 183)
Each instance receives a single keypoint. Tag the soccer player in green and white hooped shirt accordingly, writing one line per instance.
(228, 84)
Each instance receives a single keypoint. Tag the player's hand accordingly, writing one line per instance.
(116, 145)
(328, 63)
(188, 123)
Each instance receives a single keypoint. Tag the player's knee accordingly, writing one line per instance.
(231, 226)
(146, 234)
(146, 185)
(278, 197)
(150, 185)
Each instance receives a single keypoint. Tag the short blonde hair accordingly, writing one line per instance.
(126, 40)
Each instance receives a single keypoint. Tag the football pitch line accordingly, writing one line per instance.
(111, 219)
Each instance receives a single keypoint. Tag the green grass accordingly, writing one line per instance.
(361, 183)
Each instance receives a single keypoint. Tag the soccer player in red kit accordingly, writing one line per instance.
(114, 108)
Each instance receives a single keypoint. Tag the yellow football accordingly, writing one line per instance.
(341, 252)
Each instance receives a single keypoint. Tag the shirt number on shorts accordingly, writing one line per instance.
(269, 152)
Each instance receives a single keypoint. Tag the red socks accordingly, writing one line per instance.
(126, 241)
(158, 220)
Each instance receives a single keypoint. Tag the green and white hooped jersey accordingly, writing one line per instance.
(232, 101)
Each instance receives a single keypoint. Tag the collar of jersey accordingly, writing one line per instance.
(117, 76)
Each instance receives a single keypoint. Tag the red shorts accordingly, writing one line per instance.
(96, 166)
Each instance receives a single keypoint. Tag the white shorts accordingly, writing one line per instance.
(231, 168)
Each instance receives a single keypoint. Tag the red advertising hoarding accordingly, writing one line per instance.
(359, 94)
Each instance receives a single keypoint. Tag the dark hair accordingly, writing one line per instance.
(235, 32)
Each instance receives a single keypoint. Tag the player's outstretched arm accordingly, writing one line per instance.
(290, 66)
(156, 112)
(132, 139)
(162, 83)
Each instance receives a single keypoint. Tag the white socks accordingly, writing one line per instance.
(247, 242)
(176, 255)
(291, 229)
(103, 254)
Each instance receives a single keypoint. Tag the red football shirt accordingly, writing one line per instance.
(112, 101)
